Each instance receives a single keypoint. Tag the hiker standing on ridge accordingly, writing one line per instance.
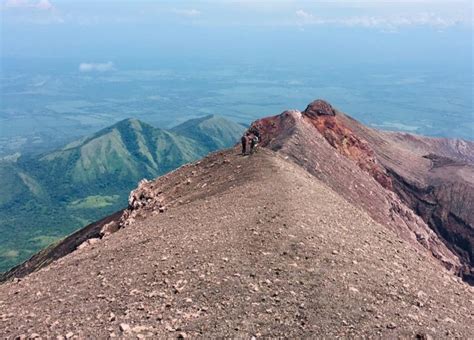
(253, 143)
(244, 140)
(255, 138)
(255, 131)
(252, 137)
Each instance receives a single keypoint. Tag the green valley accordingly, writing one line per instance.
(44, 198)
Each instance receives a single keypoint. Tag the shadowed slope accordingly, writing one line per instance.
(435, 178)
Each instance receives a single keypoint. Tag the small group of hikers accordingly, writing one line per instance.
(250, 139)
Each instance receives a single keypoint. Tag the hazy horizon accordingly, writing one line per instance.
(70, 68)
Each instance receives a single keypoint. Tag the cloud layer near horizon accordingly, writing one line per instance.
(96, 67)
(342, 13)
(382, 22)
(28, 4)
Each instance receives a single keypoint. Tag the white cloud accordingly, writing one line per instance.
(16, 3)
(188, 12)
(389, 23)
(96, 67)
(304, 15)
(41, 4)
(44, 4)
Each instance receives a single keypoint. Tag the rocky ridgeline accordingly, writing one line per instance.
(245, 247)
(156, 196)
(152, 197)
(319, 108)
(145, 198)
(299, 240)
(316, 138)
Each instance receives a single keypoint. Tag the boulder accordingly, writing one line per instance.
(319, 108)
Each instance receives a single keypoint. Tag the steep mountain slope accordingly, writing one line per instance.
(392, 179)
(213, 131)
(241, 246)
(17, 184)
(46, 198)
(123, 153)
(316, 234)
(435, 177)
(21, 194)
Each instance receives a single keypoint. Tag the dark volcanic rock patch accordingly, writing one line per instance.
(440, 161)
(440, 205)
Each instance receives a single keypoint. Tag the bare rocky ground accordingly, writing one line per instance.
(421, 188)
(246, 247)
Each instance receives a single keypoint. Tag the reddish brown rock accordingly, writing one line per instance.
(393, 160)
(319, 108)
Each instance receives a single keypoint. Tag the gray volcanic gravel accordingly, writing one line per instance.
(246, 247)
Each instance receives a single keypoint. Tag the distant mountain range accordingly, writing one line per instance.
(47, 197)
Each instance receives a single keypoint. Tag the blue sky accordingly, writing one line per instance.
(385, 15)
(336, 46)
(101, 32)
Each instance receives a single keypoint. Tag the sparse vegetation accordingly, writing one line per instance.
(94, 202)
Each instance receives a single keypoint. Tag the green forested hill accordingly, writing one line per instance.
(212, 131)
(116, 157)
(42, 199)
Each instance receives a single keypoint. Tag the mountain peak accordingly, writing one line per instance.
(342, 152)
(129, 122)
(299, 239)
(319, 107)
(210, 118)
(220, 128)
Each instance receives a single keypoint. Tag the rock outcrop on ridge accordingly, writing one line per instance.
(422, 188)
(310, 236)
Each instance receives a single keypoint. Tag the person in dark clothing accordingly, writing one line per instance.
(255, 132)
(244, 140)
(253, 142)
(254, 138)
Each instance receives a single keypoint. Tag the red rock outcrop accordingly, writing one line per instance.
(322, 115)
(306, 137)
